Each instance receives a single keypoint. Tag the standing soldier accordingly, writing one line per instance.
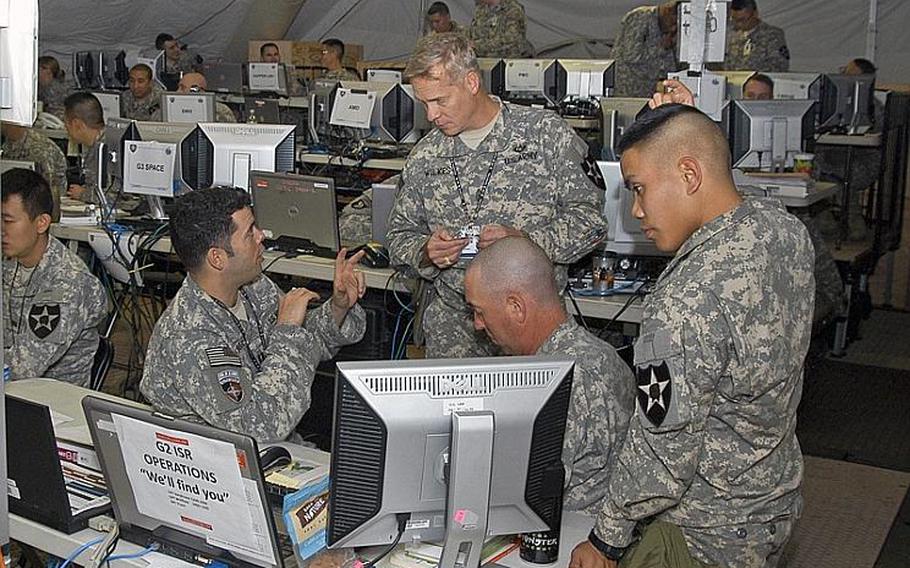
(645, 49)
(499, 29)
(752, 44)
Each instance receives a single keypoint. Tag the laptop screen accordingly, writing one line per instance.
(194, 490)
(290, 205)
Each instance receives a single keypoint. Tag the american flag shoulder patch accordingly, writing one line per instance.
(222, 357)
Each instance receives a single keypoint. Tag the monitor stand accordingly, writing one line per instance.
(470, 468)
(156, 208)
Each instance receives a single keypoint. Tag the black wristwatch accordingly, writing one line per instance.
(614, 553)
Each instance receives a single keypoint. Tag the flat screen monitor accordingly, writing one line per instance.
(188, 107)
(767, 134)
(113, 72)
(492, 74)
(223, 77)
(149, 168)
(261, 111)
(624, 234)
(797, 86)
(267, 78)
(164, 132)
(847, 103)
(110, 104)
(296, 206)
(531, 81)
(319, 111)
(736, 82)
(354, 105)
(450, 450)
(225, 154)
(710, 90)
(584, 78)
(84, 64)
(154, 59)
(396, 115)
(618, 114)
(384, 75)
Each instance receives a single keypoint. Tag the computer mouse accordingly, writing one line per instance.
(375, 255)
(273, 457)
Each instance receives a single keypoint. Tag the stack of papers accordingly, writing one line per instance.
(427, 555)
(766, 184)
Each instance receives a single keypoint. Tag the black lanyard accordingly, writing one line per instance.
(25, 297)
(472, 219)
(248, 305)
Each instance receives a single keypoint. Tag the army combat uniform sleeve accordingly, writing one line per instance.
(579, 222)
(499, 31)
(677, 368)
(408, 229)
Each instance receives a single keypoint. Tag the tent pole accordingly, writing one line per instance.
(872, 30)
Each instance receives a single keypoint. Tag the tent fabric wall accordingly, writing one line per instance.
(822, 34)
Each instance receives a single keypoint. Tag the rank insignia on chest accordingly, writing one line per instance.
(43, 319)
(229, 379)
(655, 392)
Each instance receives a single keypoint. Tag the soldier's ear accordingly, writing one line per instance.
(516, 308)
(472, 79)
(43, 223)
(216, 258)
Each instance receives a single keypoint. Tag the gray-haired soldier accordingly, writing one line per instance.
(53, 302)
(489, 170)
(710, 469)
(511, 289)
(231, 350)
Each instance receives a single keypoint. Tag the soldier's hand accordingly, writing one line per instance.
(442, 249)
(586, 556)
(492, 233)
(673, 91)
(76, 191)
(348, 286)
(293, 306)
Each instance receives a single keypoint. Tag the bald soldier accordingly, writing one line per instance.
(710, 470)
(511, 288)
(195, 83)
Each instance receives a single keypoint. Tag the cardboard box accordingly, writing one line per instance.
(309, 54)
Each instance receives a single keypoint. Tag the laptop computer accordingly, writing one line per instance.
(297, 213)
(383, 199)
(223, 77)
(60, 495)
(195, 491)
(261, 111)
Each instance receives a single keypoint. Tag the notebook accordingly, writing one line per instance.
(195, 491)
(41, 487)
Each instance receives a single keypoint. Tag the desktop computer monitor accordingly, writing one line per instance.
(225, 154)
(396, 114)
(766, 134)
(531, 81)
(84, 64)
(624, 235)
(449, 450)
(267, 78)
(736, 82)
(149, 168)
(584, 78)
(112, 70)
(618, 114)
(847, 103)
(492, 74)
(384, 75)
(188, 107)
(110, 104)
(797, 86)
(322, 97)
(154, 59)
(223, 77)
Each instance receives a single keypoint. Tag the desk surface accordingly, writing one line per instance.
(868, 140)
(378, 278)
(393, 164)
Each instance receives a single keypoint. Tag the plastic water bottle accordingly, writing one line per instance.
(7, 372)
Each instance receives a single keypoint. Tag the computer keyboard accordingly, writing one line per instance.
(298, 246)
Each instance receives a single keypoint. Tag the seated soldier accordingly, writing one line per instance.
(231, 350)
(511, 287)
(29, 145)
(142, 101)
(332, 60)
(194, 83)
(53, 302)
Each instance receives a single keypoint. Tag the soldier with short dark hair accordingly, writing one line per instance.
(332, 60)
(52, 302)
(488, 170)
(710, 470)
(753, 44)
(84, 122)
(440, 21)
(142, 101)
(232, 350)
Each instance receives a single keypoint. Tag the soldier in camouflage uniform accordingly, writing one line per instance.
(176, 59)
(645, 49)
(712, 450)
(52, 302)
(753, 45)
(52, 85)
(143, 99)
(511, 290)
(29, 145)
(439, 20)
(332, 60)
(231, 350)
(489, 170)
(499, 29)
(196, 82)
(355, 222)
